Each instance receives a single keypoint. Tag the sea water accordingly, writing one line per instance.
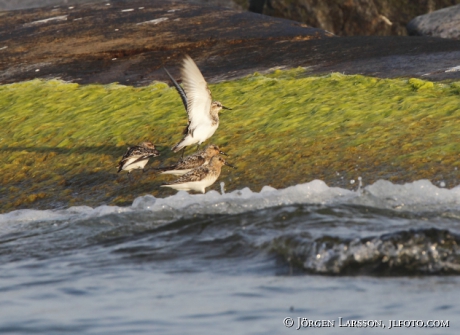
(379, 259)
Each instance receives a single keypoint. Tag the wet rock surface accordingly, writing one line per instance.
(23, 4)
(350, 17)
(444, 23)
(130, 41)
(61, 142)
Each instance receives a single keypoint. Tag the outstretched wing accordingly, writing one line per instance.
(198, 95)
(179, 89)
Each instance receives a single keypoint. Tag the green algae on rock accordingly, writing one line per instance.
(61, 142)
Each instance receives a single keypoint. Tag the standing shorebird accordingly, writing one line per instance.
(198, 179)
(193, 161)
(203, 113)
(137, 157)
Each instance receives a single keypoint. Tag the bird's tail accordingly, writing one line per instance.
(185, 142)
(182, 144)
(177, 147)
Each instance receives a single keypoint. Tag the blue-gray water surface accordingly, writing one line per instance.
(238, 263)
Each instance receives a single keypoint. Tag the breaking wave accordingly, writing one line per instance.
(417, 196)
(408, 252)
(380, 229)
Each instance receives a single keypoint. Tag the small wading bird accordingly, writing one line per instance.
(203, 113)
(137, 157)
(198, 179)
(193, 161)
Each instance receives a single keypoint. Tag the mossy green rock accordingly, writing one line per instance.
(61, 142)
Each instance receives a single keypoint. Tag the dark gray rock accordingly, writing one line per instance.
(130, 41)
(350, 17)
(443, 23)
(23, 4)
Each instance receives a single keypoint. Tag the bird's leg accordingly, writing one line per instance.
(197, 147)
(182, 156)
(129, 178)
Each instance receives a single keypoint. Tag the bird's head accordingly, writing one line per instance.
(219, 161)
(213, 150)
(148, 145)
(216, 106)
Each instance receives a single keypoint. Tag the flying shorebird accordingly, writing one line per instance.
(203, 113)
(199, 178)
(137, 157)
(193, 161)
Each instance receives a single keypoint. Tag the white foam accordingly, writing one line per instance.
(419, 195)
(243, 200)
(76, 212)
(156, 21)
(453, 69)
(51, 19)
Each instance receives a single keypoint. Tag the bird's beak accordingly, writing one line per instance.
(223, 107)
(230, 165)
(223, 153)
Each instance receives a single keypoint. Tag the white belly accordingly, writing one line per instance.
(138, 165)
(203, 132)
(177, 172)
(197, 186)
